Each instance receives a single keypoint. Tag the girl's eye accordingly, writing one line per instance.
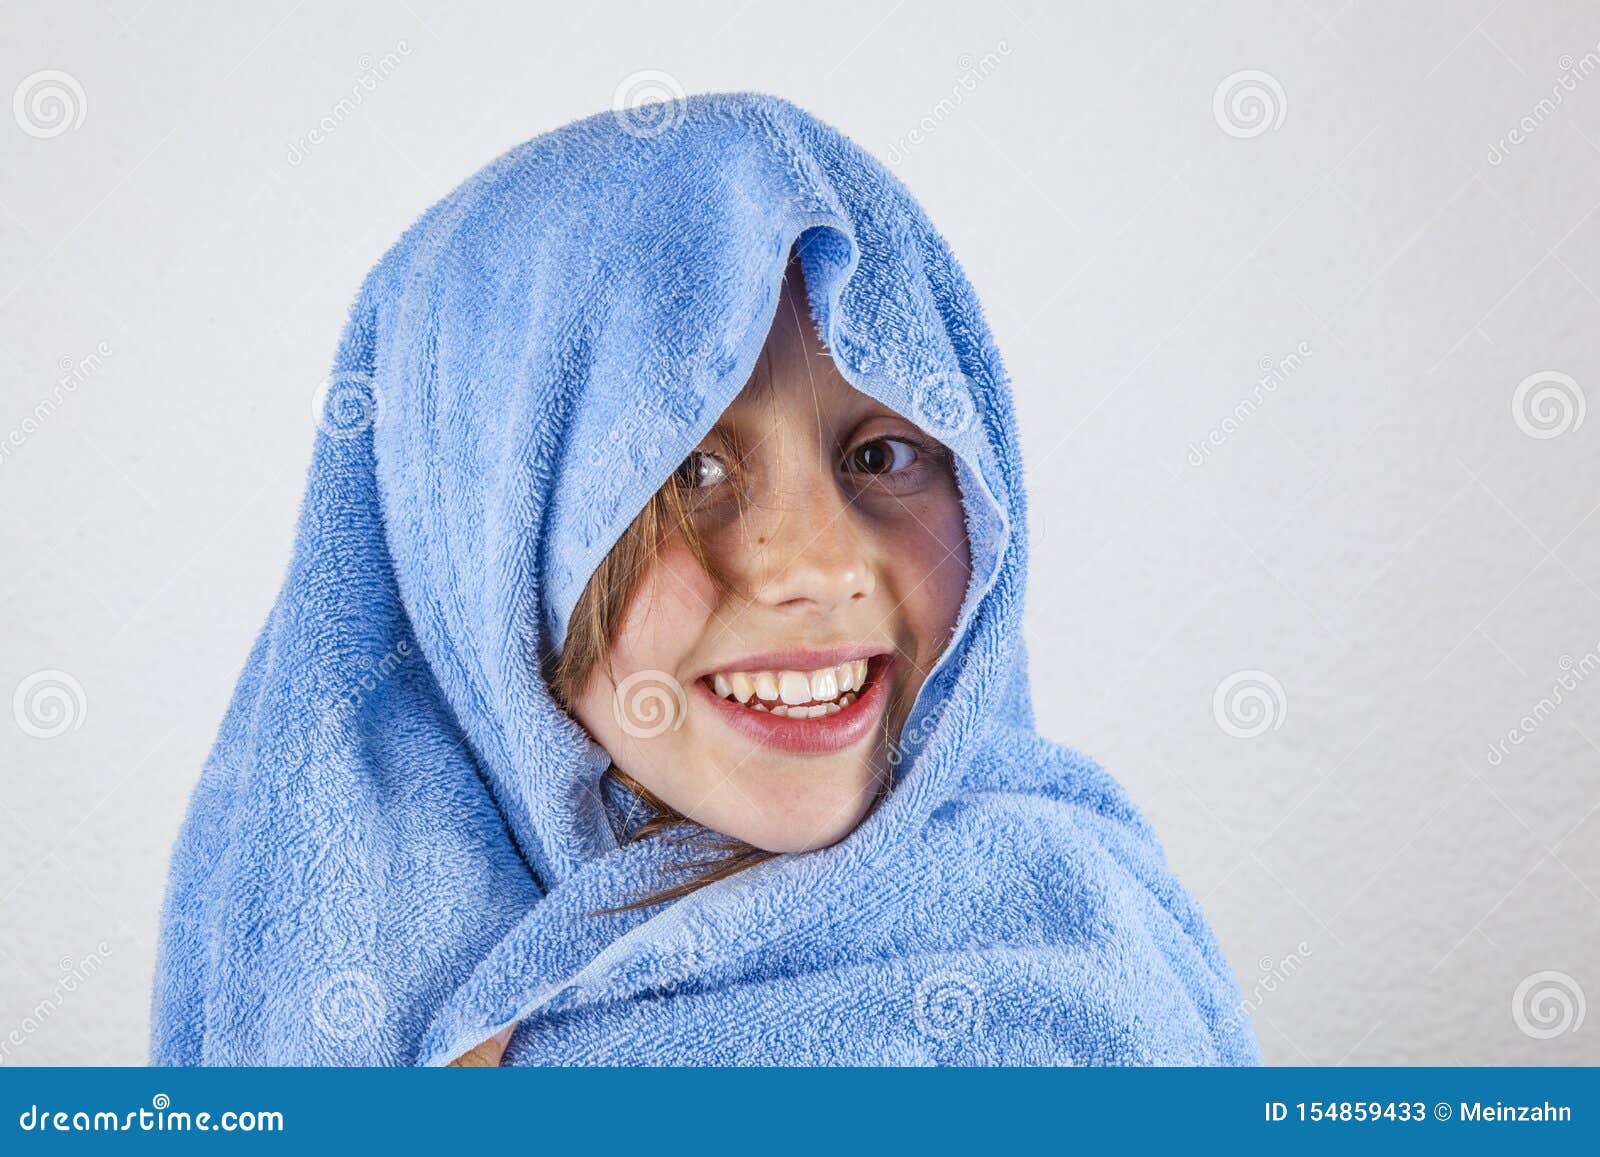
(881, 456)
(701, 470)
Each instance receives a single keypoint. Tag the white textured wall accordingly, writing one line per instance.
(1382, 535)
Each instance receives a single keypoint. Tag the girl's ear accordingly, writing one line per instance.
(488, 1054)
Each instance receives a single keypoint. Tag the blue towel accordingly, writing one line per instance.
(400, 843)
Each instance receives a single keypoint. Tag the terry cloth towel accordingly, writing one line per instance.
(397, 846)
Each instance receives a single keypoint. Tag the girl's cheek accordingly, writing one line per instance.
(668, 615)
(931, 553)
(669, 612)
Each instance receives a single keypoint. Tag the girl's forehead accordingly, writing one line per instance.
(822, 397)
(795, 372)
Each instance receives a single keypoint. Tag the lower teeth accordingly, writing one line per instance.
(816, 711)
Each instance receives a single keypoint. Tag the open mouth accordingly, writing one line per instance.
(803, 710)
(797, 694)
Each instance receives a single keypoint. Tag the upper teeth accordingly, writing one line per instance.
(792, 688)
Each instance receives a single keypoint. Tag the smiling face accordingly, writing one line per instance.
(763, 705)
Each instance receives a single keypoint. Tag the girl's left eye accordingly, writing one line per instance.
(881, 456)
(701, 470)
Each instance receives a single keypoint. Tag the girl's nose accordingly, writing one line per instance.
(808, 551)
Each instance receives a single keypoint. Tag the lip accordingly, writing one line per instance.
(810, 736)
(799, 658)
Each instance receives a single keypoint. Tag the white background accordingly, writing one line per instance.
(1379, 533)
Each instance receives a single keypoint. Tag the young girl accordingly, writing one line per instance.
(648, 684)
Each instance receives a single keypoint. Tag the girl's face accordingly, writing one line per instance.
(764, 708)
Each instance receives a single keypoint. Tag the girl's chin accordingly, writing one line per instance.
(787, 824)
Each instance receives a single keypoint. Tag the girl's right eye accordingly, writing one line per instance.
(701, 470)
